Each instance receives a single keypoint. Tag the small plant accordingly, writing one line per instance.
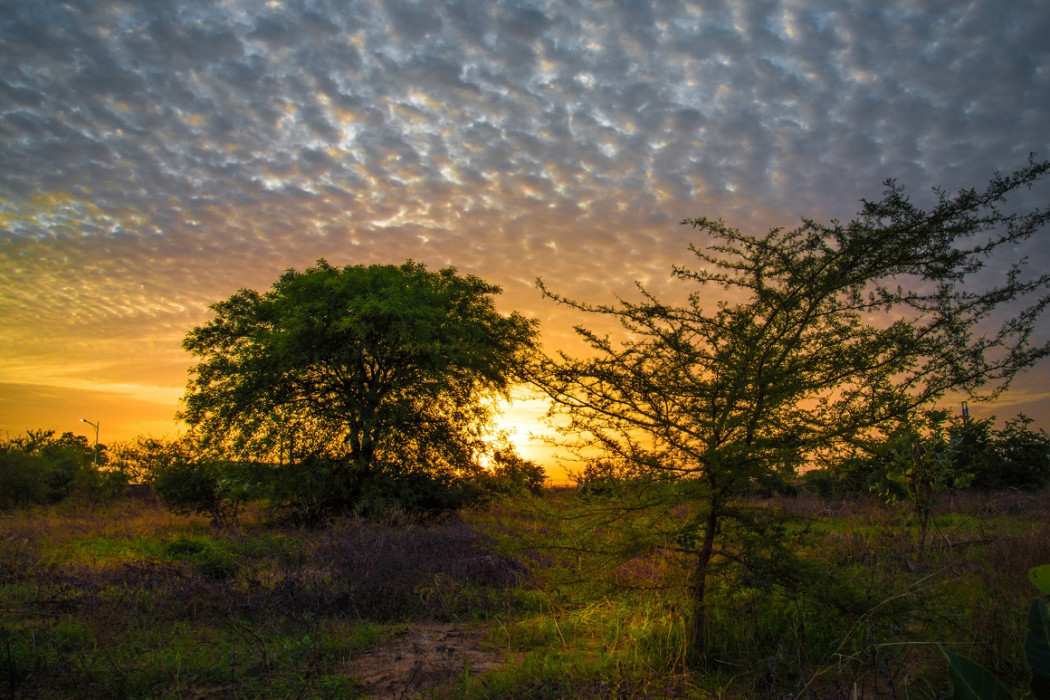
(212, 558)
(971, 681)
(922, 465)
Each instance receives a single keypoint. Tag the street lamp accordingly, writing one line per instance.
(95, 426)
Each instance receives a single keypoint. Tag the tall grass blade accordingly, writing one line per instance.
(971, 681)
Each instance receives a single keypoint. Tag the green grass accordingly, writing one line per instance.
(132, 602)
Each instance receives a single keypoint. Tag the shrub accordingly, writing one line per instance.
(1015, 457)
(40, 468)
(214, 559)
(317, 487)
(204, 486)
(1018, 458)
(23, 478)
(512, 474)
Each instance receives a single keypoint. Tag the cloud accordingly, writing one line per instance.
(155, 157)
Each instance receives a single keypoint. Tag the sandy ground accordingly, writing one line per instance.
(423, 658)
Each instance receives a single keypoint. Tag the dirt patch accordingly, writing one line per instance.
(422, 658)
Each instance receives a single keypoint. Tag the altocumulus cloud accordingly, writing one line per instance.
(155, 157)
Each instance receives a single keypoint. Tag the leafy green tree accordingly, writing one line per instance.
(374, 373)
(824, 335)
(1013, 457)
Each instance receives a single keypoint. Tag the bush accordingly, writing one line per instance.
(23, 478)
(1015, 457)
(209, 487)
(317, 487)
(1018, 458)
(214, 559)
(39, 468)
(601, 478)
(511, 474)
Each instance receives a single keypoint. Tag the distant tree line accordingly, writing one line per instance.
(979, 455)
(39, 467)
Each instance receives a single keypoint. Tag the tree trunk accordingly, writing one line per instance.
(924, 527)
(697, 642)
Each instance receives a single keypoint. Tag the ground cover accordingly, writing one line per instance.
(524, 599)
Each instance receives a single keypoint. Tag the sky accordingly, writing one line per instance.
(155, 157)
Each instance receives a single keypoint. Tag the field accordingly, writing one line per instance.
(523, 599)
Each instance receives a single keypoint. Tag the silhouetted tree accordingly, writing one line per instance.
(1014, 457)
(349, 377)
(795, 343)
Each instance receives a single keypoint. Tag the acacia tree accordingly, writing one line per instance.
(354, 371)
(825, 333)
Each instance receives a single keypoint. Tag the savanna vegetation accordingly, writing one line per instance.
(527, 597)
(772, 500)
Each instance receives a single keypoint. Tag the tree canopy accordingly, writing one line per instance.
(823, 334)
(377, 367)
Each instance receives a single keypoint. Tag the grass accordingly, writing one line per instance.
(524, 600)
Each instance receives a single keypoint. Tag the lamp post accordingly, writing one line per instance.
(95, 426)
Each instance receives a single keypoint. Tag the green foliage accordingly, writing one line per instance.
(39, 467)
(1019, 458)
(922, 465)
(139, 458)
(825, 335)
(23, 478)
(316, 487)
(188, 478)
(210, 557)
(211, 487)
(511, 474)
(1040, 577)
(1014, 457)
(376, 375)
(972, 681)
(602, 477)
(1037, 648)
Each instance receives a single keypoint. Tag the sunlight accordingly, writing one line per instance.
(523, 422)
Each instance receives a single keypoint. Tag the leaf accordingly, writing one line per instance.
(971, 681)
(1037, 648)
(1040, 577)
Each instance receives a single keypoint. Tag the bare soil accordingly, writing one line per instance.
(423, 657)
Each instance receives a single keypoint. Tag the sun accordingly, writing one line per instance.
(522, 421)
